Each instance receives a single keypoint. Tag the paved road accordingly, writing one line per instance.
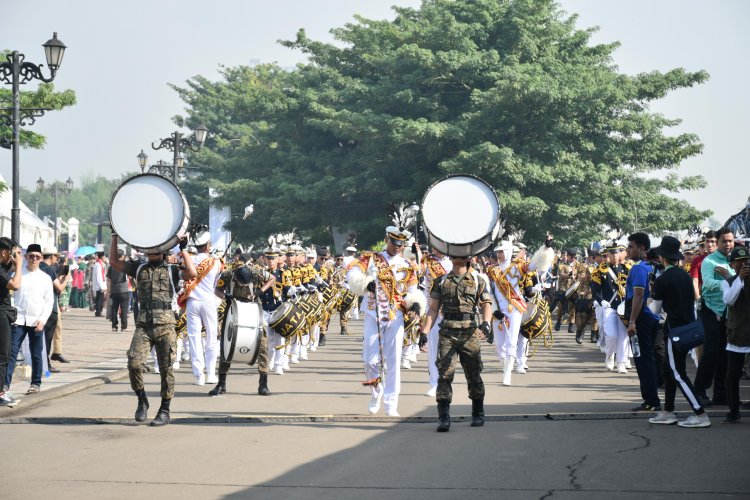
(561, 431)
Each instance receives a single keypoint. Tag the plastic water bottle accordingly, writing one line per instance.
(635, 346)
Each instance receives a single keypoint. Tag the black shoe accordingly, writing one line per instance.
(221, 387)
(477, 412)
(557, 326)
(162, 417)
(59, 358)
(322, 340)
(570, 327)
(579, 338)
(52, 369)
(646, 407)
(731, 418)
(704, 401)
(124, 329)
(263, 385)
(141, 413)
(344, 332)
(444, 418)
(115, 329)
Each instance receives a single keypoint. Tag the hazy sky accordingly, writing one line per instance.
(122, 55)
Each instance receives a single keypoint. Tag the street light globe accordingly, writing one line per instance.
(142, 160)
(200, 134)
(54, 50)
(40, 185)
(180, 160)
(69, 184)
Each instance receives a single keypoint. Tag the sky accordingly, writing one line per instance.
(122, 56)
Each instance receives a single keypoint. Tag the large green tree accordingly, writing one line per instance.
(510, 91)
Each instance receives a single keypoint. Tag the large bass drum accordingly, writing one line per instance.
(462, 215)
(241, 332)
(149, 213)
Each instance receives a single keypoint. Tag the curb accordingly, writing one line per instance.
(326, 419)
(31, 400)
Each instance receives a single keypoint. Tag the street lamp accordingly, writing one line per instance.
(56, 189)
(178, 142)
(15, 72)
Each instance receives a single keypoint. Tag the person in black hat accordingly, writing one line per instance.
(673, 293)
(736, 291)
(34, 301)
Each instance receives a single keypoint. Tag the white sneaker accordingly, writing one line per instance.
(628, 365)
(285, 364)
(664, 417)
(392, 413)
(294, 360)
(313, 348)
(176, 365)
(621, 368)
(185, 356)
(412, 357)
(405, 364)
(279, 370)
(212, 379)
(696, 421)
(200, 380)
(374, 405)
(431, 393)
(520, 369)
(303, 356)
(7, 400)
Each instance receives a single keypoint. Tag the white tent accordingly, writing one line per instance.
(33, 230)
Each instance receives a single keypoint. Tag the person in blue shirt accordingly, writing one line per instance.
(642, 323)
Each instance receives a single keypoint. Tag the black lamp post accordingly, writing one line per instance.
(16, 71)
(176, 143)
(55, 189)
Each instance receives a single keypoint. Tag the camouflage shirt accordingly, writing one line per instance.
(460, 295)
(156, 283)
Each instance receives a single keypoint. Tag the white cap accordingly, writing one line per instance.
(201, 239)
(504, 245)
(49, 251)
(351, 249)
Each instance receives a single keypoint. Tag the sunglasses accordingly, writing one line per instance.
(33, 256)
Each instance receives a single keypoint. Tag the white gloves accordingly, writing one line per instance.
(606, 305)
(537, 288)
(291, 292)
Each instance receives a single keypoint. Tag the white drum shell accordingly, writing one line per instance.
(241, 333)
(462, 215)
(149, 213)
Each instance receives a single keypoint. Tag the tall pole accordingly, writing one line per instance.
(15, 211)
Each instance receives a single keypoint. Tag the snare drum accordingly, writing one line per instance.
(149, 213)
(242, 330)
(312, 307)
(288, 319)
(536, 320)
(346, 300)
(462, 215)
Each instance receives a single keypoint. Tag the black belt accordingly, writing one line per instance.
(458, 316)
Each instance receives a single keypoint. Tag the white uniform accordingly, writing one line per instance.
(201, 311)
(391, 333)
(434, 335)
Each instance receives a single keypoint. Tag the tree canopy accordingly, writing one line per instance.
(509, 91)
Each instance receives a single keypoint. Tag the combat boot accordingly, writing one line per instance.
(162, 416)
(477, 412)
(557, 325)
(594, 337)
(141, 411)
(322, 340)
(343, 331)
(221, 386)
(570, 327)
(263, 385)
(579, 337)
(444, 418)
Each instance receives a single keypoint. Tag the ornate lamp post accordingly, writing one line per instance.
(16, 71)
(55, 189)
(414, 209)
(176, 143)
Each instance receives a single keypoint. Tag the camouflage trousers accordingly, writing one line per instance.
(583, 318)
(467, 346)
(262, 360)
(164, 338)
(325, 321)
(344, 317)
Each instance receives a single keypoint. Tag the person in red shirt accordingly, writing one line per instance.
(707, 246)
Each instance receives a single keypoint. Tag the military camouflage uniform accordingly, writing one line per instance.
(459, 297)
(156, 284)
(246, 293)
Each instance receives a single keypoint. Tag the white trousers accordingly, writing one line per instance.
(506, 338)
(433, 342)
(393, 341)
(202, 313)
(616, 340)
